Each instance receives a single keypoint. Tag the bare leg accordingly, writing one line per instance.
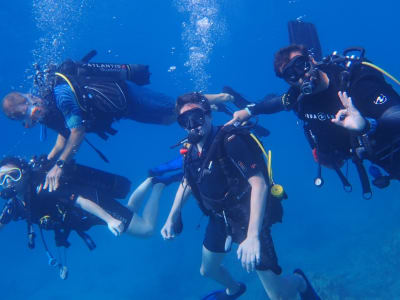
(211, 267)
(143, 226)
(136, 199)
(280, 287)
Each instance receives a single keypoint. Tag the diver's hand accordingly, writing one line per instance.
(168, 231)
(115, 226)
(249, 253)
(349, 117)
(239, 116)
(225, 97)
(53, 179)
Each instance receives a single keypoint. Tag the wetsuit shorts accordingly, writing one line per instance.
(214, 241)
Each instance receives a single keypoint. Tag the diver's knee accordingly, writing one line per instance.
(203, 271)
(148, 230)
(207, 271)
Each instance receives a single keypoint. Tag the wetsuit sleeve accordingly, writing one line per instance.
(67, 104)
(373, 96)
(244, 154)
(272, 104)
(378, 100)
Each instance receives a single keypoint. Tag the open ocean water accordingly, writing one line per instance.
(348, 246)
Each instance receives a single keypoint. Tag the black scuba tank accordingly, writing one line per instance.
(89, 71)
(113, 185)
(136, 73)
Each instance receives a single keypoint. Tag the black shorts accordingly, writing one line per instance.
(214, 241)
(111, 206)
(117, 211)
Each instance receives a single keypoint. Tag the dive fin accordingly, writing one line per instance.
(239, 101)
(309, 293)
(261, 131)
(88, 56)
(222, 295)
(305, 33)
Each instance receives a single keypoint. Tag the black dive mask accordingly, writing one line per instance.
(296, 69)
(192, 118)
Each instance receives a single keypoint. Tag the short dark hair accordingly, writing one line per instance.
(16, 161)
(282, 57)
(194, 97)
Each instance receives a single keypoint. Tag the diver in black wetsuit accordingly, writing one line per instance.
(75, 206)
(342, 116)
(225, 171)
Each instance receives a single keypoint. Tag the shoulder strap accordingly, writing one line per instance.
(192, 182)
(74, 87)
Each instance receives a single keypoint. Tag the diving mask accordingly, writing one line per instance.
(13, 174)
(192, 118)
(33, 113)
(296, 69)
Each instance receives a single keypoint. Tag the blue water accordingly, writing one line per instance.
(348, 246)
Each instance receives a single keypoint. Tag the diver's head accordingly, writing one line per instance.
(26, 108)
(194, 115)
(298, 68)
(13, 175)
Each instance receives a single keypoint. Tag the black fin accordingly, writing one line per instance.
(304, 33)
(88, 56)
(239, 101)
(261, 131)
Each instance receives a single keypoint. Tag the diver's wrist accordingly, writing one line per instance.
(251, 109)
(370, 126)
(60, 163)
(253, 235)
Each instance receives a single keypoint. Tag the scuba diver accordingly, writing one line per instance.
(225, 171)
(348, 111)
(77, 205)
(80, 97)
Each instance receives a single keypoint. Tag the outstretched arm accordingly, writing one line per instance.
(73, 143)
(218, 98)
(115, 226)
(67, 103)
(58, 147)
(271, 104)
